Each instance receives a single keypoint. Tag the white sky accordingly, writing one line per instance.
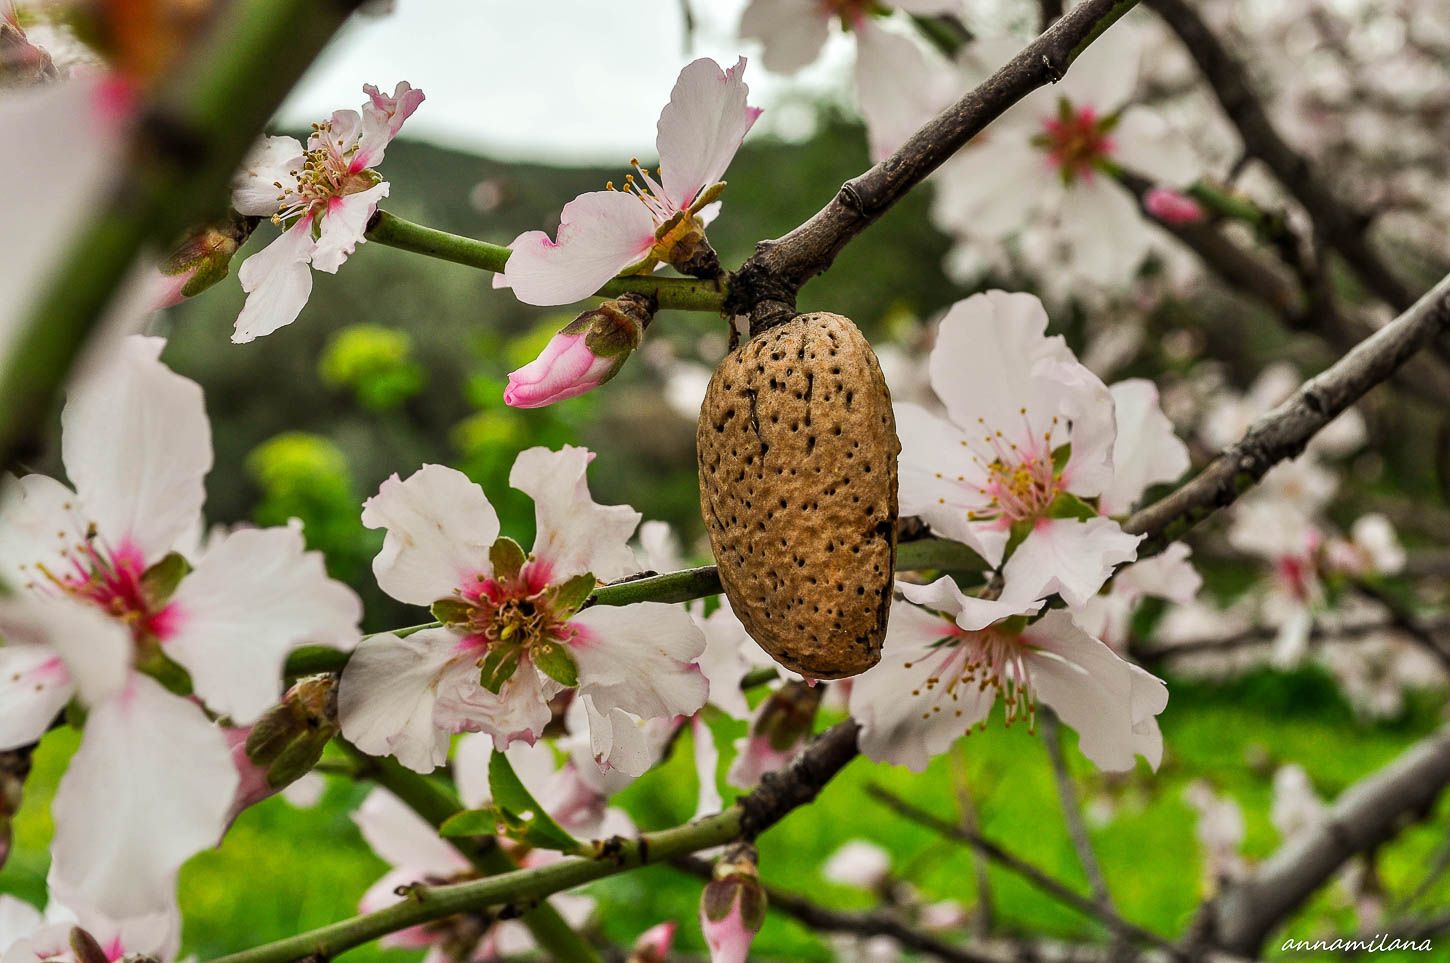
(578, 81)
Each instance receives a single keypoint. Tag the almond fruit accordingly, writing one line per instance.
(797, 447)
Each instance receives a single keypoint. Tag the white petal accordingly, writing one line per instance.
(274, 161)
(95, 648)
(255, 597)
(701, 128)
(1146, 451)
(982, 365)
(906, 714)
(1147, 144)
(792, 32)
(520, 710)
(403, 838)
(18, 920)
(344, 225)
(137, 446)
(1108, 701)
(968, 611)
(1067, 556)
(620, 742)
(986, 190)
(387, 694)
(34, 687)
(1167, 575)
(1105, 233)
(723, 662)
(939, 476)
(278, 281)
(1104, 77)
(640, 658)
(440, 527)
(574, 533)
(900, 85)
(150, 786)
(600, 233)
(707, 766)
(41, 523)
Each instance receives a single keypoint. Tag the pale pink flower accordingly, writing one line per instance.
(29, 936)
(900, 84)
(105, 598)
(654, 944)
(603, 233)
(858, 863)
(322, 196)
(1373, 548)
(1220, 832)
(1168, 575)
(945, 664)
(732, 910)
(1041, 172)
(514, 633)
(1029, 437)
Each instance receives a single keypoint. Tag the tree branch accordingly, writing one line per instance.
(765, 286)
(1364, 816)
(1283, 432)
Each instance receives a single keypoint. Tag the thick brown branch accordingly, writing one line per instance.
(1282, 433)
(1365, 815)
(765, 286)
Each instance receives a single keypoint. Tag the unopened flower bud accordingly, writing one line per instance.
(653, 945)
(778, 732)
(284, 745)
(1171, 207)
(22, 63)
(587, 352)
(201, 260)
(732, 907)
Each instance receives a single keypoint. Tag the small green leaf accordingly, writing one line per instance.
(1017, 535)
(527, 821)
(554, 659)
(567, 598)
(453, 611)
(507, 557)
(1068, 505)
(471, 822)
(160, 580)
(499, 665)
(1060, 457)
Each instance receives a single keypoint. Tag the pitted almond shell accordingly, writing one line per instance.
(797, 447)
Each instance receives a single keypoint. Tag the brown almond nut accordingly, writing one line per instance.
(797, 446)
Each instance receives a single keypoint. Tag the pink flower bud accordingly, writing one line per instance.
(283, 745)
(732, 907)
(200, 261)
(1171, 207)
(586, 353)
(778, 733)
(653, 945)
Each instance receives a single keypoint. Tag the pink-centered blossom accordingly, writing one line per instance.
(322, 196)
(1043, 172)
(948, 658)
(110, 594)
(28, 935)
(652, 220)
(514, 634)
(1030, 438)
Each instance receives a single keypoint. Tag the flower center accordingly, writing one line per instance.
(1021, 480)
(111, 581)
(514, 615)
(1077, 141)
(649, 191)
(991, 658)
(327, 172)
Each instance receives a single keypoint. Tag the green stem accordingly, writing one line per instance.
(684, 294)
(435, 802)
(211, 110)
(682, 586)
(428, 903)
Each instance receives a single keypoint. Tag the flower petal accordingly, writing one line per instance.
(382, 119)
(150, 786)
(34, 688)
(1146, 143)
(386, 698)
(791, 32)
(900, 85)
(701, 128)
(640, 658)
(600, 233)
(275, 161)
(574, 533)
(344, 225)
(137, 446)
(440, 527)
(941, 479)
(1068, 556)
(277, 281)
(1111, 703)
(1146, 450)
(968, 611)
(254, 597)
(403, 838)
(94, 649)
(41, 522)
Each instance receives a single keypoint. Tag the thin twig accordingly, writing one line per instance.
(1072, 808)
(982, 913)
(1048, 884)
